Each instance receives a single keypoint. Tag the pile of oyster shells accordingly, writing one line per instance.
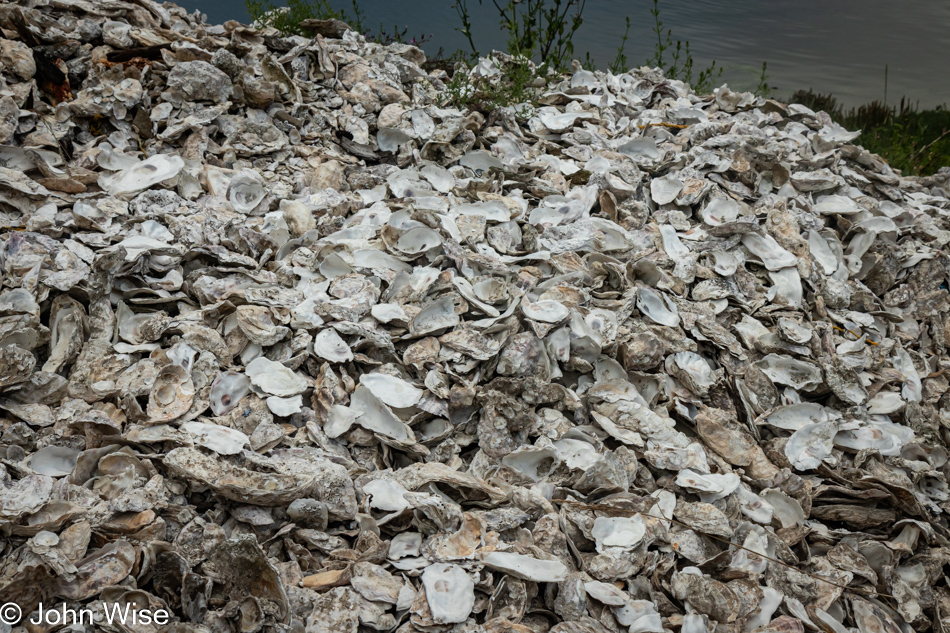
(289, 344)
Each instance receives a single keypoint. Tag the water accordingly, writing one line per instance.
(832, 46)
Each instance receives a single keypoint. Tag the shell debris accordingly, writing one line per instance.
(287, 344)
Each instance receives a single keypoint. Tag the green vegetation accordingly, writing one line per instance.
(540, 45)
(912, 140)
(539, 41)
(515, 86)
(542, 31)
(619, 63)
(680, 64)
(763, 89)
(287, 18)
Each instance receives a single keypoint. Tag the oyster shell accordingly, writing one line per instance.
(620, 532)
(322, 352)
(450, 592)
(657, 308)
(267, 488)
(172, 394)
(329, 346)
(220, 439)
(227, 391)
(392, 391)
(526, 567)
(142, 175)
(245, 191)
(275, 378)
(810, 445)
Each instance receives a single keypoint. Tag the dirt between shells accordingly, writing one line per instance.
(287, 346)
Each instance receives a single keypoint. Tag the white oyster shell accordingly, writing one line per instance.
(246, 190)
(657, 307)
(275, 378)
(393, 391)
(53, 461)
(640, 616)
(377, 417)
(526, 567)
(142, 175)
(328, 345)
(436, 316)
(534, 463)
(450, 592)
(386, 495)
(786, 370)
(664, 190)
(768, 251)
(546, 311)
(622, 532)
(220, 439)
(389, 139)
(285, 407)
(836, 205)
(606, 593)
(810, 445)
(227, 391)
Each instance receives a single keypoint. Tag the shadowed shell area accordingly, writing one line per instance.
(289, 344)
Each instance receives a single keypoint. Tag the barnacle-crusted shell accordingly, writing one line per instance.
(17, 57)
(172, 394)
(257, 325)
(266, 488)
(67, 321)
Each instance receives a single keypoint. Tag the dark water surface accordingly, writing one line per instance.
(836, 46)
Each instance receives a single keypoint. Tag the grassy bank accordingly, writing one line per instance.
(912, 140)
